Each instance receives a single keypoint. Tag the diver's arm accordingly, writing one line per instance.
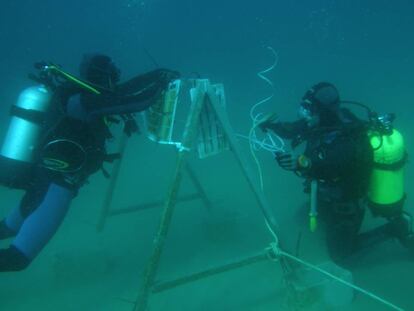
(153, 80)
(288, 130)
(137, 94)
(114, 104)
(133, 96)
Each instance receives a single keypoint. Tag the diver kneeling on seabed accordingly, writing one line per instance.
(56, 140)
(348, 163)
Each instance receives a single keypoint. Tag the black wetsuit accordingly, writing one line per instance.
(341, 159)
(341, 163)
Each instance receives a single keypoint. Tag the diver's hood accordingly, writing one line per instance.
(99, 69)
(323, 99)
(323, 96)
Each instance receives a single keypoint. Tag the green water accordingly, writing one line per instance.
(366, 49)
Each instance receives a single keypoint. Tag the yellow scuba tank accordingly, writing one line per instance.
(386, 189)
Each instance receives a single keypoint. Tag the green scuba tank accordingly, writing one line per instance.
(386, 189)
(386, 194)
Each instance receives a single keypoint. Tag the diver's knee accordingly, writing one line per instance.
(5, 231)
(338, 255)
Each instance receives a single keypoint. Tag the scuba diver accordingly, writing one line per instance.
(56, 140)
(347, 163)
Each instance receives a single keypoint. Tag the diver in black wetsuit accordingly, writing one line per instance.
(72, 146)
(339, 156)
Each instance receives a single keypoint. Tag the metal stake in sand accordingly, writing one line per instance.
(112, 183)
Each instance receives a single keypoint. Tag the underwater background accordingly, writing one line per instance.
(365, 48)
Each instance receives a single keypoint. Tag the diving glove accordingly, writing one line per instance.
(130, 124)
(165, 76)
(267, 121)
(290, 162)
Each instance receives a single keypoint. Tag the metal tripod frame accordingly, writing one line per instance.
(203, 93)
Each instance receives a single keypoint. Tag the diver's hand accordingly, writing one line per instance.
(267, 122)
(287, 161)
(166, 76)
(290, 162)
(265, 125)
(130, 127)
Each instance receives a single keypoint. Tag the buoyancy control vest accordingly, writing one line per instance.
(40, 134)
